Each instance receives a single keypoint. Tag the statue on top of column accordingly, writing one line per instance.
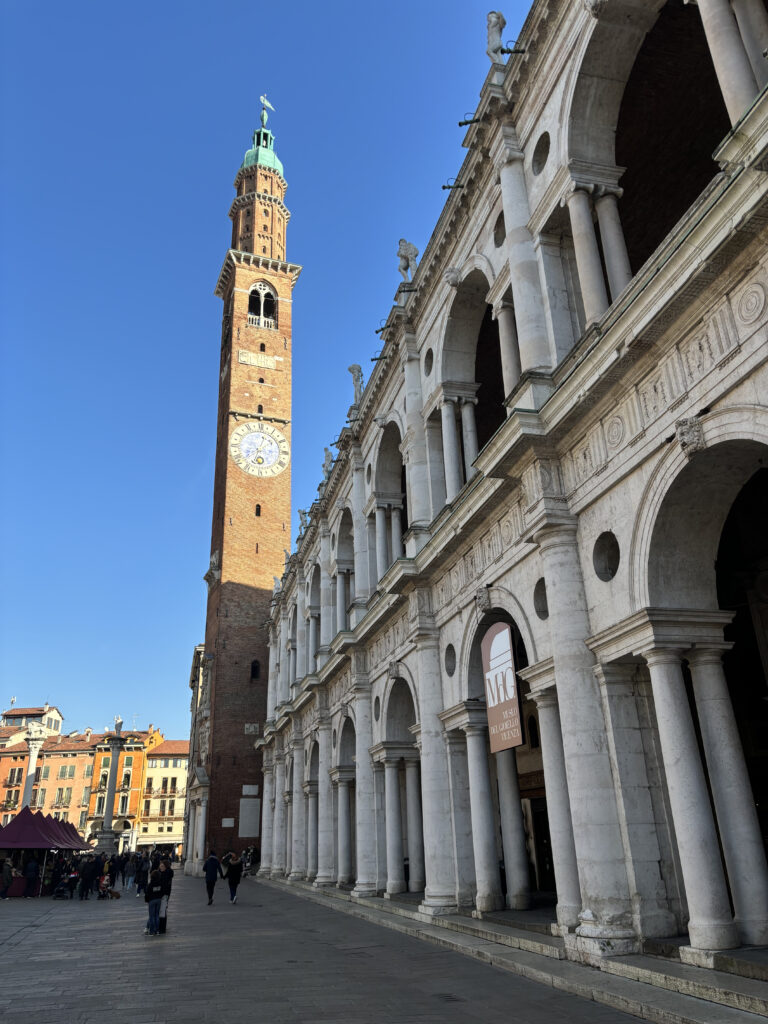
(496, 24)
(118, 725)
(407, 254)
(357, 379)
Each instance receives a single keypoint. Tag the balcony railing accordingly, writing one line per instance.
(262, 321)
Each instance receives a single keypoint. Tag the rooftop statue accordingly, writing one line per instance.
(496, 24)
(327, 463)
(408, 255)
(357, 378)
(304, 519)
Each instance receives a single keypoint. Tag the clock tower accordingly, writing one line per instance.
(251, 496)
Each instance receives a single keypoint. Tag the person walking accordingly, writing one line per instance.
(234, 873)
(142, 874)
(212, 869)
(130, 873)
(153, 898)
(6, 879)
(87, 875)
(166, 878)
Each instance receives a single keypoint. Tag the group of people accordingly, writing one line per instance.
(213, 869)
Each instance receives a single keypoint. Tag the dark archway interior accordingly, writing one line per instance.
(489, 412)
(742, 587)
(671, 119)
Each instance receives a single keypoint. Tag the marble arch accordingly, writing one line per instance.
(501, 600)
(403, 676)
(744, 429)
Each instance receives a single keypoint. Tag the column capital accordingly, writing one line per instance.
(505, 148)
(708, 655)
(607, 192)
(503, 305)
(657, 655)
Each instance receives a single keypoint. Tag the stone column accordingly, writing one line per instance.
(558, 810)
(301, 626)
(312, 649)
(450, 449)
(324, 807)
(310, 788)
(397, 532)
(365, 823)
(292, 662)
(416, 879)
(288, 801)
(34, 746)
(612, 237)
(202, 827)
(732, 793)
(344, 876)
(606, 905)
(326, 605)
(512, 832)
(436, 463)
(278, 834)
(588, 265)
(469, 435)
(395, 869)
(510, 351)
(106, 835)
(732, 66)
(711, 925)
(637, 820)
(359, 527)
(267, 820)
(284, 685)
(752, 19)
(382, 548)
(272, 679)
(440, 889)
(189, 844)
(488, 896)
(341, 600)
(523, 269)
(416, 441)
(298, 835)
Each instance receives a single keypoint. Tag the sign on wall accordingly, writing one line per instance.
(501, 688)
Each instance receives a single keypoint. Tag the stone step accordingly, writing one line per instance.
(646, 1001)
(717, 986)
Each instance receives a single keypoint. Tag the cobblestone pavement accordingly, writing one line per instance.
(273, 958)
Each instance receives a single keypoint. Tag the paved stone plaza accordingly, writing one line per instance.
(272, 958)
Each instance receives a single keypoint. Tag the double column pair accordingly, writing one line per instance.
(454, 472)
(394, 828)
(389, 536)
(711, 925)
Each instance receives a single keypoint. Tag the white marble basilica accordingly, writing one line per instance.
(567, 431)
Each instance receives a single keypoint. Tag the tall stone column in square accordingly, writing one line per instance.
(106, 839)
(35, 737)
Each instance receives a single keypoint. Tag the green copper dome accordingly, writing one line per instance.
(262, 152)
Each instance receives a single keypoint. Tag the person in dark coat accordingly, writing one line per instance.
(142, 874)
(166, 879)
(87, 875)
(153, 897)
(31, 874)
(212, 869)
(6, 880)
(234, 873)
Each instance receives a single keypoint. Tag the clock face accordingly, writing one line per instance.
(259, 449)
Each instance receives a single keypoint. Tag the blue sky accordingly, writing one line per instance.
(123, 129)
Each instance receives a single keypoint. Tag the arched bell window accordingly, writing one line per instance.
(262, 307)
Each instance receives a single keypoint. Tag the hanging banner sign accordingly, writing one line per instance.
(501, 688)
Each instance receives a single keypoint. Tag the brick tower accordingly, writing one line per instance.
(252, 491)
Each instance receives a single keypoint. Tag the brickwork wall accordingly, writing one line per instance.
(256, 375)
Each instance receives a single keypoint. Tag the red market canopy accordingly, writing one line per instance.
(33, 832)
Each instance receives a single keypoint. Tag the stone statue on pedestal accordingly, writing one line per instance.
(408, 254)
(357, 379)
(496, 24)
